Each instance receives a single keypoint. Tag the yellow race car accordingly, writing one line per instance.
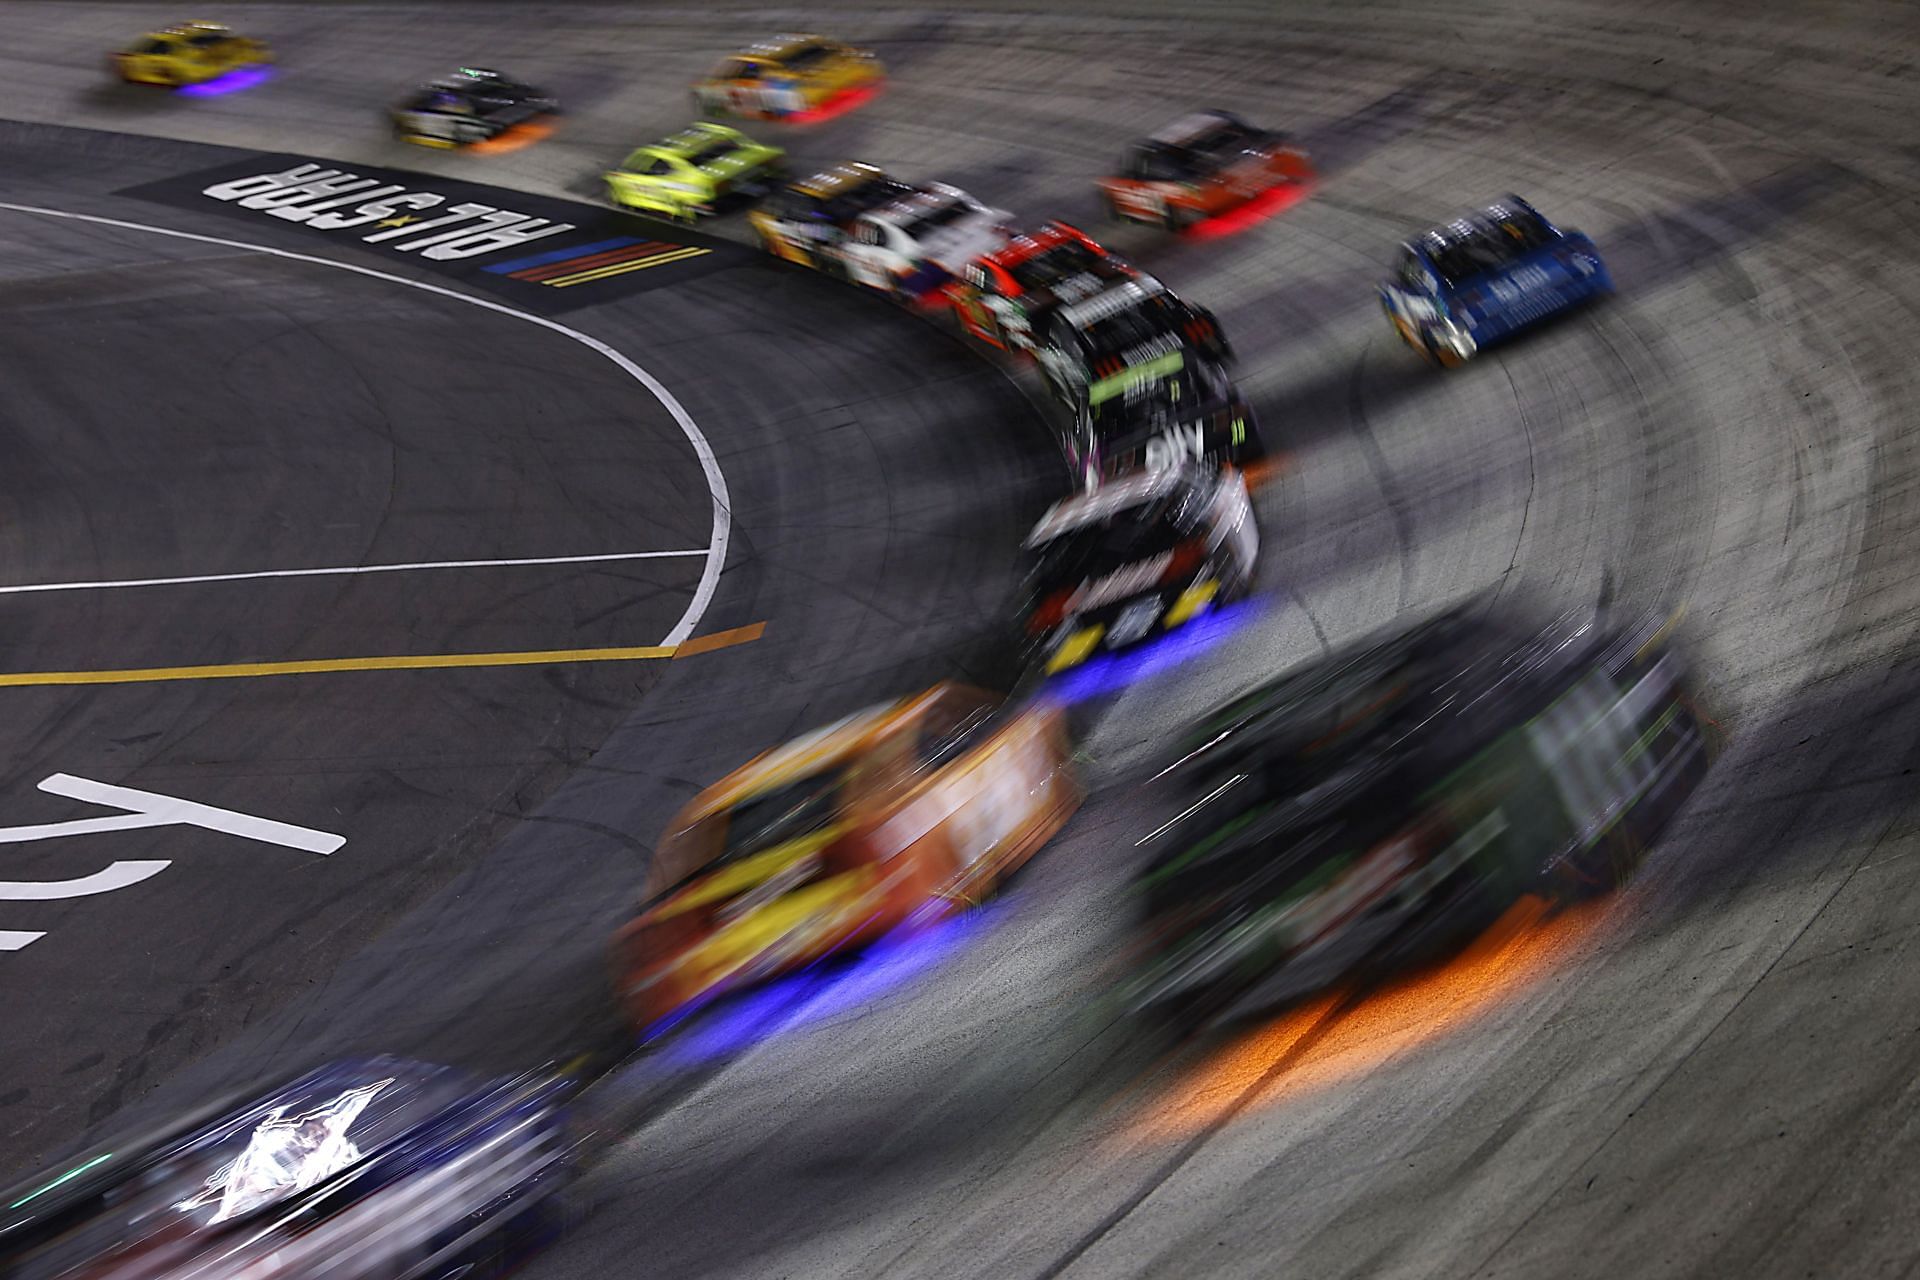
(699, 170)
(794, 79)
(189, 54)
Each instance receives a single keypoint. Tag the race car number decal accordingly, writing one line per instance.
(1142, 200)
(1519, 283)
(1180, 444)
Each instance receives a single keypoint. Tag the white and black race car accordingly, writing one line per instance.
(1133, 559)
(472, 105)
(1180, 409)
(921, 241)
(1135, 328)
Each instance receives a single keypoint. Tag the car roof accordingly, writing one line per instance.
(1134, 489)
(928, 195)
(695, 136)
(1476, 223)
(840, 179)
(1111, 302)
(778, 47)
(1031, 244)
(1189, 129)
(812, 752)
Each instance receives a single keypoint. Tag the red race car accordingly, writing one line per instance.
(1202, 166)
(1004, 296)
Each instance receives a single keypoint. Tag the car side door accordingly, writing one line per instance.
(865, 254)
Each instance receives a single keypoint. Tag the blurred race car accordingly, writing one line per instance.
(1402, 790)
(1180, 409)
(473, 105)
(896, 813)
(368, 1169)
(1004, 297)
(808, 221)
(791, 78)
(920, 241)
(1125, 333)
(1200, 166)
(1487, 275)
(1136, 557)
(191, 53)
(696, 171)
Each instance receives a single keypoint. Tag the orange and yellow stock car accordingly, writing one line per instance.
(895, 814)
(792, 78)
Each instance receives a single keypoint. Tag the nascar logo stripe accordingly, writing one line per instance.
(602, 273)
(592, 262)
(574, 266)
(560, 255)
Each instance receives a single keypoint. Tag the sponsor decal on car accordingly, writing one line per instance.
(535, 249)
(1125, 581)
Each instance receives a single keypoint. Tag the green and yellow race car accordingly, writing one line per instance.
(697, 171)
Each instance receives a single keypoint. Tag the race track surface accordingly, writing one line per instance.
(1711, 1073)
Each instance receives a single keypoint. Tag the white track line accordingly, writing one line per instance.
(716, 552)
(107, 583)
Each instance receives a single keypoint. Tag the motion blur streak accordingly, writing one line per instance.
(1110, 673)
(836, 106)
(234, 81)
(514, 139)
(826, 990)
(1268, 204)
(1317, 1044)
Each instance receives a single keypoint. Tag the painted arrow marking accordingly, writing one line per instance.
(139, 809)
(145, 809)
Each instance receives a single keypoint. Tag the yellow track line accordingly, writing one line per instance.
(403, 662)
(621, 268)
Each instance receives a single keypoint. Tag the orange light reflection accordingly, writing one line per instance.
(513, 139)
(1339, 1036)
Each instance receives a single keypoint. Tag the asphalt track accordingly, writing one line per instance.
(1712, 1073)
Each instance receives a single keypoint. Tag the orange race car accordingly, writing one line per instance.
(897, 813)
(1202, 166)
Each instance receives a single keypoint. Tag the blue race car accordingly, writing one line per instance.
(369, 1169)
(1482, 277)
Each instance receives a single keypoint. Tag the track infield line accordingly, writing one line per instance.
(709, 465)
(400, 662)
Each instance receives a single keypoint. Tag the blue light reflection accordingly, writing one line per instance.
(823, 990)
(234, 81)
(1111, 672)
